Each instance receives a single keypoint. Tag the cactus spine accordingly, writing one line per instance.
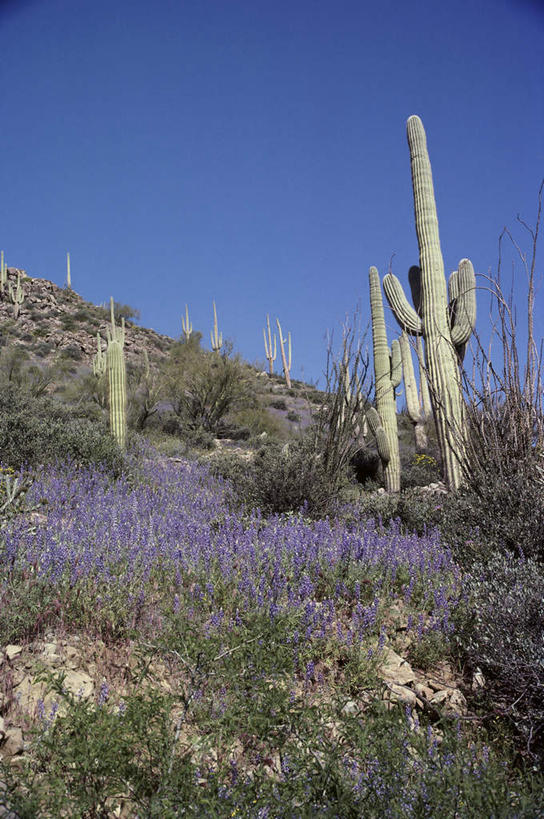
(115, 361)
(68, 273)
(445, 327)
(268, 351)
(215, 336)
(285, 360)
(415, 412)
(186, 325)
(387, 374)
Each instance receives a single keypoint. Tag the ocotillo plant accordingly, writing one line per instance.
(215, 336)
(16, 295)
(268, 351)
(186, 325)
(115, 361)
(387, 375)
(445, 327)
(415, 411)
(68, 273)
(285, 360)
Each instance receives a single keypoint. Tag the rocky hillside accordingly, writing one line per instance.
(55, 322)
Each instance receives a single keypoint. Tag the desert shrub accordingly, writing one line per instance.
(258, 421)
(279, 404)
(293, 416)
(421, 471)
(204, 388)
(502, 634)
(281, 479)
(35, 431)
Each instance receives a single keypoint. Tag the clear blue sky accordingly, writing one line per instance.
(255, 152)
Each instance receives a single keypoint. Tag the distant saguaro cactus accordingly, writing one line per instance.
(446, 324)
(16, 295)
(269, 352)
(186, 325)
(215, 336)
(68, 273)
(3, 273)
(115, 361)
(387, 374)
(285, 360)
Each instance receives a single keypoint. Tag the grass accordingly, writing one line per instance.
(250, 684)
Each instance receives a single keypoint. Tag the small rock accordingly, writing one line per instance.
(350, 707)
(13, 743)
(400, 693)
(13, 651)
(457, 704)
(424, 691)
(394, 668)
(440, 697)
(478, 680)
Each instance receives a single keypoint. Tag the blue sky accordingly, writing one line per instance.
(255, 152)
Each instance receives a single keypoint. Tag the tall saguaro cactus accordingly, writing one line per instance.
(445, 324)
(68, 272)
(285, 359)
(215, 336)
(387, 374)
(186, 324)
(269, 350)
(16, 295)
(115, 363)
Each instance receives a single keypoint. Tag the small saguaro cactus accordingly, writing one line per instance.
(16, 295)
(68, 273)
(3, 273)
(445, 323)
(285, 359)
(387, 375)
(269, 352)
(186, 325)
(99, 360)
(415, 411)
(115, 361)
(215, 336)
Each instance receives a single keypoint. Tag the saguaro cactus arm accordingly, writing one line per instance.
(387, 373)
(403, 311)
(462, 303)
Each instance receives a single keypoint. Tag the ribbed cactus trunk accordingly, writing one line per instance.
(115, 360)
(415, 412)
(441, 357)
(387, 374)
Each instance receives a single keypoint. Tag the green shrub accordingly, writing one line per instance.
(502, 634)
(36, 431)
(281, 479)
(279, 404)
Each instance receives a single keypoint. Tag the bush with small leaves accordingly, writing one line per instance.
(35, 431)
(502, 634)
